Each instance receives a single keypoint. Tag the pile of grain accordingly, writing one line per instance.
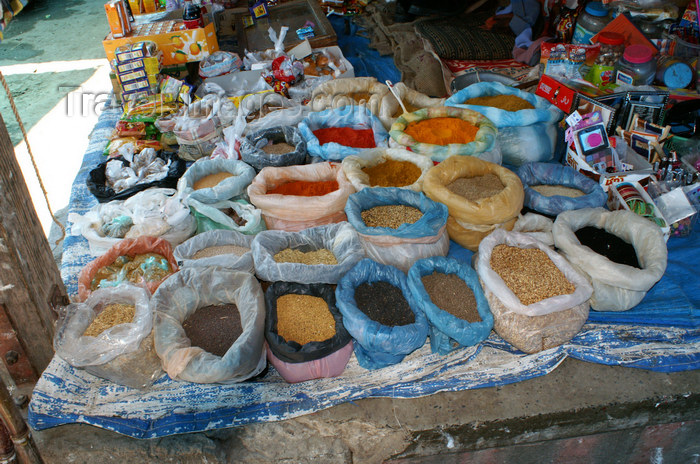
(220, 250)
(391, 216)
(112, 314)
(320, 256)
(304, 319)
(551, 190)
(503, 102)
(278, 148)
(212, 180)
(476, 188)
(452, 294)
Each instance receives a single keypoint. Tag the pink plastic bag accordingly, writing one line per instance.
(329, 366)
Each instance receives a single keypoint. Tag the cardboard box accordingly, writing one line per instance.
(178, 47)
(557, 93)
(642, 169)
(117, 18)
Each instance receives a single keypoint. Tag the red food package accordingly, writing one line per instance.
(130, 129)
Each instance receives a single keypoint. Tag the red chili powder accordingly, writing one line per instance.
(303, 188)
(346, 136)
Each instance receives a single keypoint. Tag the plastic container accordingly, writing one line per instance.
(636, 67)
(674, 73)
(591, 21)
(612, 47)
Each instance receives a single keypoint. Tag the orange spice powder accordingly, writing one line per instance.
(442, 131)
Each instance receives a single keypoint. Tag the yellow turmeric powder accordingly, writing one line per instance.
(392, 173)
(502, 102)
(442, 131)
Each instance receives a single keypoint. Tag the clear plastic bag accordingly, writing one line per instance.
(355, 117)
(214, 217)
(408, 243)
(192, 288)
(252, 148)
(616, 287)
(446, 330)
(184, 253)
(287, 117)
(294, 213)
(471, 221)
(353, 165)
(378, 345)
(536, 226)
(339, 93)
(341, 239)
(228, 189)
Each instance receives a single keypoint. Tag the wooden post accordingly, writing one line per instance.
(29, 278)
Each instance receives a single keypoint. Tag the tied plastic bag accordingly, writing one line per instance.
(540, 325)
(484, 140)
(536, 226)
(378, 345)
(470, 221)
(340, 239)
(154, 212)
(353, 166)
(185, 252)
(142, 167)
(193, 288)
(354, 117)
(253, 148)
(292, 212)
(219, 63)
(533, 174)
(616, 287)
(227, 189)
(447, 330)
(122, 353)
(403, 246)
(524, 135)
(239, 216)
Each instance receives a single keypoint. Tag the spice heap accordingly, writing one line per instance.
(212, 180)
(208, 252)
(452, 294)
(142, 267)
(230, 212)
(503, 102)
(214, 328)
(476, 188)
(391, 216)
(529, 273)
(384, 303)
(409, 109)
(551, 190)
(611, 246)
(321, 256)
(360, 96)
(303, 188)
(278, 148)
(442, 131)
(111, 315)
(346, 136)
(304, 319)
(392, 173)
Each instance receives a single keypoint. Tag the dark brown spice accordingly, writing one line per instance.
(452, 294)
(230, 212)
(214, 328)
(384, 303)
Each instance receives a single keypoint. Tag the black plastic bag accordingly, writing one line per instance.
(252, 153)
(97, 179)
(291, 351)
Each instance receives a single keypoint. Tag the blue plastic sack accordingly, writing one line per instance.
(354, 116)
(378, 345)
(227, 189)
(444, 327)
(523, 136)
(557, 174)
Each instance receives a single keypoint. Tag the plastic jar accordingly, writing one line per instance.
(590, 22)
(636, 67)
(602, 73)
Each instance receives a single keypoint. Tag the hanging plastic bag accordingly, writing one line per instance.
(471, 221)
(446, 330)
(378, 345)
(408, 243)
(540, 325)
(238, 215)
(227, 189)
(185, 252)
(253, 148)
(616, 287)
(354, 117)
(544, 174)
(193, 288)
(340, 239)
(150, 277)
(484, 139)
(294, 213)
(525, 135)
(122, 353)
(536, 226)
(313, 360)
(353, 166)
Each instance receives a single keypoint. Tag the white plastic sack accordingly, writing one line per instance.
(353, 165)
(212, 216)
(184, 252)
(227, 189)
(616, 287)
(338, 93)
(536, 226)
(186, 291)
(494, 284)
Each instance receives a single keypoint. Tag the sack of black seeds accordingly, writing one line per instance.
(231, 305)
(225, 248)
(318, 255)
(279, 146)
(398, 244)
(238, 215)
(380, 313)
(304, 331)
(618, 283)
(450, 295)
